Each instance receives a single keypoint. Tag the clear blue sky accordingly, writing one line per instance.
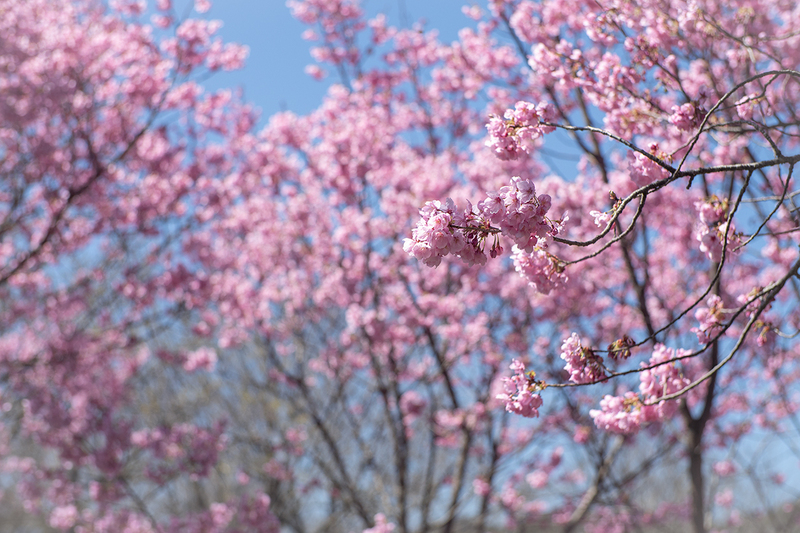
(274, 78)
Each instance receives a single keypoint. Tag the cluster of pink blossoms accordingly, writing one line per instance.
(516, 131)
(521, 391)
(660, 381)
(203, 358)
(626, 414)
(711, 319)
(714, 228)
(745, 107)
(444, 230)
(543, 271)
(583, 365)
(687, 116)
(382, 525)
(644, 170)
(514, 210)
(519, 213)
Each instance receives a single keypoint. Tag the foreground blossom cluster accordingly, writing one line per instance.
(515, 211)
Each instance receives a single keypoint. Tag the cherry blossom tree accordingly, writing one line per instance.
(108, 147)
(687, 107)
(579, 212)
(647, 309)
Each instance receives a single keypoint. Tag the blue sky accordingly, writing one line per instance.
(274, 78)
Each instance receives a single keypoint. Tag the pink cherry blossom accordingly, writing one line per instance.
(582, 364)
(382, 525)
(711, 318)
(687, 117)
(521, 392)
(714, 228)
(518, 129)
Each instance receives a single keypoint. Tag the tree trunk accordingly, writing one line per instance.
(696, 475)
